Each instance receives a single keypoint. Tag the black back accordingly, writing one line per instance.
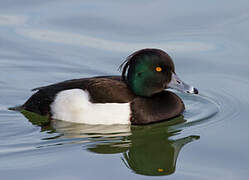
(101, 89)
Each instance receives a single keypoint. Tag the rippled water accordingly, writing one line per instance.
(43, 42)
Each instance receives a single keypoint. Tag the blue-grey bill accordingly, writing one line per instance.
(178, 84)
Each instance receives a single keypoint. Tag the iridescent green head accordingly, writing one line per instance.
(150, 71)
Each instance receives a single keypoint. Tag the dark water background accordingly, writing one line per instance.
(43, 42)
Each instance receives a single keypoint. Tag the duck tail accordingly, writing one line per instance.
(16, 108)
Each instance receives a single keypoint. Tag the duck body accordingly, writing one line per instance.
(136, 98)
(102, 100)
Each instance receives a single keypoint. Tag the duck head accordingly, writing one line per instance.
(150, 71)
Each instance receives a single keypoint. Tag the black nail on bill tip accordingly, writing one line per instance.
(195, 91)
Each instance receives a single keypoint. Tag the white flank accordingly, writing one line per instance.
(74, 106)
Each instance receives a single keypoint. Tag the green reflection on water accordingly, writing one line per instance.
(150, 150)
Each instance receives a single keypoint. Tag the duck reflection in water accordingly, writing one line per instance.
(150, 150)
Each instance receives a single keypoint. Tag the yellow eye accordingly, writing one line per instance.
(160, 170)
(158, 69)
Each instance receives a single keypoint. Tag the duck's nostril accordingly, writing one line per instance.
(195, 91)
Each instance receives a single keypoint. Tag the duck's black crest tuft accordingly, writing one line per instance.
(123, 68)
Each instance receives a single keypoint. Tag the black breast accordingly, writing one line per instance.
(161, 106)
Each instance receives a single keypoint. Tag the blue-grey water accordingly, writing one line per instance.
(43, 42)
